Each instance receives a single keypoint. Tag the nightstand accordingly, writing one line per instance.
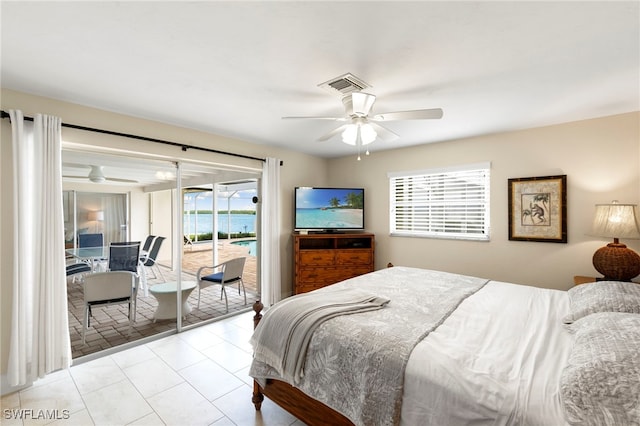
(580, 279)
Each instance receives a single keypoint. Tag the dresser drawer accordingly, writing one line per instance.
(328, 276)
(317, 257)
(320, 275)
(307, 287)
(352, 272)
(354, 257)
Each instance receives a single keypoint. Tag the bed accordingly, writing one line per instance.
(494, 353)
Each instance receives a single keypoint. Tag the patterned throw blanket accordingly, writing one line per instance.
(282, 337)
(355, 363)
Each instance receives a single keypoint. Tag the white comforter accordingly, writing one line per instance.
(496, 360)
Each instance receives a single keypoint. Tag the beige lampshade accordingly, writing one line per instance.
(615, 261)
(616, 220)
(97, 215)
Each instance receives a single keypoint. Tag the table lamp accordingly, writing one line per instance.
(97, 216)
(615, 261)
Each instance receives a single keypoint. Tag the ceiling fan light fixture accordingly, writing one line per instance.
(350, 134)
(165, 175)
(367, 134)
(363, 132)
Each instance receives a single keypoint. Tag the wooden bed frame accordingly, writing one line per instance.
(292, 399)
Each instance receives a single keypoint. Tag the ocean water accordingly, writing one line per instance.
(329, 218)
(238, 222)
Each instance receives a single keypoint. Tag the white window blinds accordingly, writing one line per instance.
(451, 202)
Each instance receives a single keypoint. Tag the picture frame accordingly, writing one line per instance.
(538, 209)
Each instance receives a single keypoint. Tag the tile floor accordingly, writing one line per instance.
(198, 377)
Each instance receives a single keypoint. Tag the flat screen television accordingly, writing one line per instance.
(329, 209)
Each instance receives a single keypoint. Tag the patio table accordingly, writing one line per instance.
(166, 295)
(92, 254)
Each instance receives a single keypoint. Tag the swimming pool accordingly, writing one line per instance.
(252, 244)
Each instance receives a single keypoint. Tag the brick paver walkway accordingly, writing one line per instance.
(110, 324)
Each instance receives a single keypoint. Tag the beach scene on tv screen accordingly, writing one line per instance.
(329, 208)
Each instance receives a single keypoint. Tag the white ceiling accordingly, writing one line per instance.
(236, 68)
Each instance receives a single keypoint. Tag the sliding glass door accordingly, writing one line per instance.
(135, 197)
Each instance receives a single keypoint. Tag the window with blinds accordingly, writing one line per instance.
(451, 202)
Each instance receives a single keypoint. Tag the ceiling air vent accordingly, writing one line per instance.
(344, 84)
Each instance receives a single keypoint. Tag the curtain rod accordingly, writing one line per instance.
(184, 147)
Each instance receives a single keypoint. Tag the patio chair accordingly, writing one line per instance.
(90, 240)
(187, 242)
(149, 260)
(109, 288)
(125, 256)
(80, 268)
(147, 243)
(229, 272)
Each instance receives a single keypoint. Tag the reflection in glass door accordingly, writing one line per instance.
(95, 213)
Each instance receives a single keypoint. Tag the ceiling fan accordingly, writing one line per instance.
(96, 175)
(361, 128)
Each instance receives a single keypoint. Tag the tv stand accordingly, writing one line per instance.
(326, 258)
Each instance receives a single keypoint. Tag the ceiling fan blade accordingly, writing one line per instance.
(333, 133)
(383, 133)
(121, 180)
(361, 103)
(75, 165)
(315, 118)
(109, 179)
(418, 114)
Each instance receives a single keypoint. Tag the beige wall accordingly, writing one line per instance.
(297, 169)
(600, 158)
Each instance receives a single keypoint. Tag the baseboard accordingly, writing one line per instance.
(6, 388)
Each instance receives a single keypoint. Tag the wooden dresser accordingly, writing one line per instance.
(323, 259)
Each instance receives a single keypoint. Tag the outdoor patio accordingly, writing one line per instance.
(110, 324)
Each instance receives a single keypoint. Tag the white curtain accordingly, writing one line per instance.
(114, 226)
(40, 340)
(270, 236)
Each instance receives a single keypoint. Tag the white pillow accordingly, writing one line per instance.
(603, 296)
